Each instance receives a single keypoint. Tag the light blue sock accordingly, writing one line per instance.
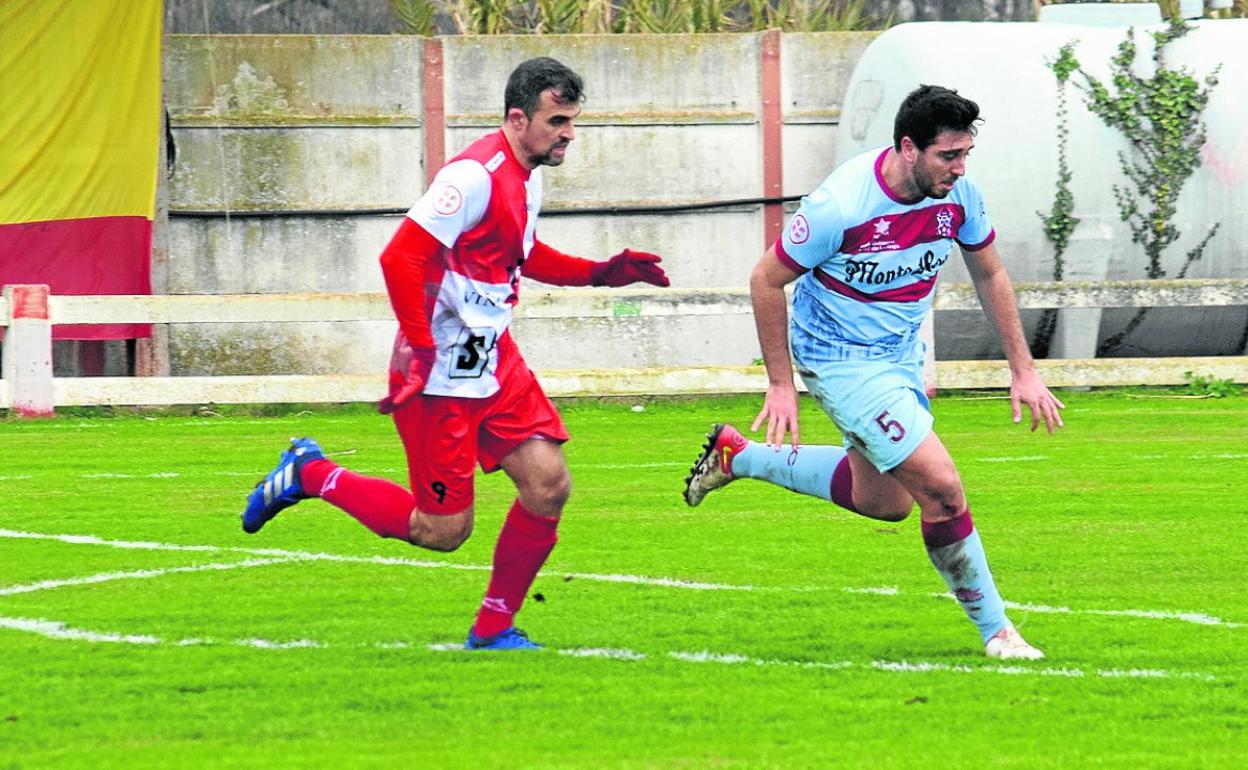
(808, 470)
(964, 567)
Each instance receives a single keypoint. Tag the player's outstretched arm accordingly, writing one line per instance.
(996, 294)
(549, 265)
(771, 317)
(629, 267)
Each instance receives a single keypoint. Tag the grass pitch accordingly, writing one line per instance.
(139, 627)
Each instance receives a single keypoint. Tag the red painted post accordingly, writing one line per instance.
(772, 125)
(433, 124)
(28, 350)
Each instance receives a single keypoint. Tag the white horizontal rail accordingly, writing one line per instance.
(99, 391)
(586, 303)
(604, 303)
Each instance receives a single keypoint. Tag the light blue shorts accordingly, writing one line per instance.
(874, 393)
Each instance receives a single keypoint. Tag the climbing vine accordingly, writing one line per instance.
(1060, 222)
(1161, 117)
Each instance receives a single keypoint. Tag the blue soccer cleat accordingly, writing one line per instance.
(511, 639)
(282, 488)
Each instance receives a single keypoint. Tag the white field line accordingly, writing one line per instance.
(56, 630)
(384, 560)
(279, 555)
(1196, 618)
(877, 590)
(140, 574)
(259, 473)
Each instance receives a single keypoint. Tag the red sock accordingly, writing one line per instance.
(379, 504)
(523, 545)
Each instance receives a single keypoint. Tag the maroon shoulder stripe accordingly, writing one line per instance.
(992, 236)
(788, 261)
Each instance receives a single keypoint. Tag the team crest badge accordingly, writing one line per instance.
(447, 200)
(944, 223)
(799, 229)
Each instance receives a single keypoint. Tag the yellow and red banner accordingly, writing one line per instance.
(79, 138)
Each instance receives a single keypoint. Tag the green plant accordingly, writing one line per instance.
(1161, 117)
(808, 15)
(556, 17)
(416, 15)
(1209, 386)
(1060, 222)
(490, 17)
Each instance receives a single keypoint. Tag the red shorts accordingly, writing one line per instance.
(445, 436)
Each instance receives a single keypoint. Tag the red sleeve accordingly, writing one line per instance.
(550, 266)
(403, 265)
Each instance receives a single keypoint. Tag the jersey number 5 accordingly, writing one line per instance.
(887, 427)
(472, 352)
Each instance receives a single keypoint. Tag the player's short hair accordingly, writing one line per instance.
(928, 110)
(531, 78)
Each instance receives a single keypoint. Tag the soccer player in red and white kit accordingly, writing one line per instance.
(460, 392)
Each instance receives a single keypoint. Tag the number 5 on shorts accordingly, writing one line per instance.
(887, 427)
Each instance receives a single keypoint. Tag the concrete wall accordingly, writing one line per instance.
(335, 123)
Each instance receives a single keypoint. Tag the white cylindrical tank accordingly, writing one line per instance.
(1004, 67)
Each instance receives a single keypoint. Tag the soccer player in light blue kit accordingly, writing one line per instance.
(865, 248)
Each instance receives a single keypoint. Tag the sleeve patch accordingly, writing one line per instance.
(447, 200)
(799, 230)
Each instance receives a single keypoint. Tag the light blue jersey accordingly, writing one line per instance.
(869, 258)
(869, 262)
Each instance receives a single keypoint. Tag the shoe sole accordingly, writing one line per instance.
(708, 453)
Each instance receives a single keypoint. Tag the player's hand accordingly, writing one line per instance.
(629, 267)
(418, 369)
(1027, 388)
(780, 412)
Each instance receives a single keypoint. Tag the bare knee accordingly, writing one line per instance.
(440, 533)
(943, 498)
(547, 495)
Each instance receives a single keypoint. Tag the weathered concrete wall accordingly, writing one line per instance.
(335, 124)
(325, 123)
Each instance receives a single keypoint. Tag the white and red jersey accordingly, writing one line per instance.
(869, 258)
(482, 206)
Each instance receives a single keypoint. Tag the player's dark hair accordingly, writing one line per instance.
(530, 79)
(928, 110)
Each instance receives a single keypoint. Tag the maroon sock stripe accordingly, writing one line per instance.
(842, 488)
(942, 533)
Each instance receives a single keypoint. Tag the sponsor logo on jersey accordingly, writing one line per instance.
(879, 239)
(869, 272)
(495, 162)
